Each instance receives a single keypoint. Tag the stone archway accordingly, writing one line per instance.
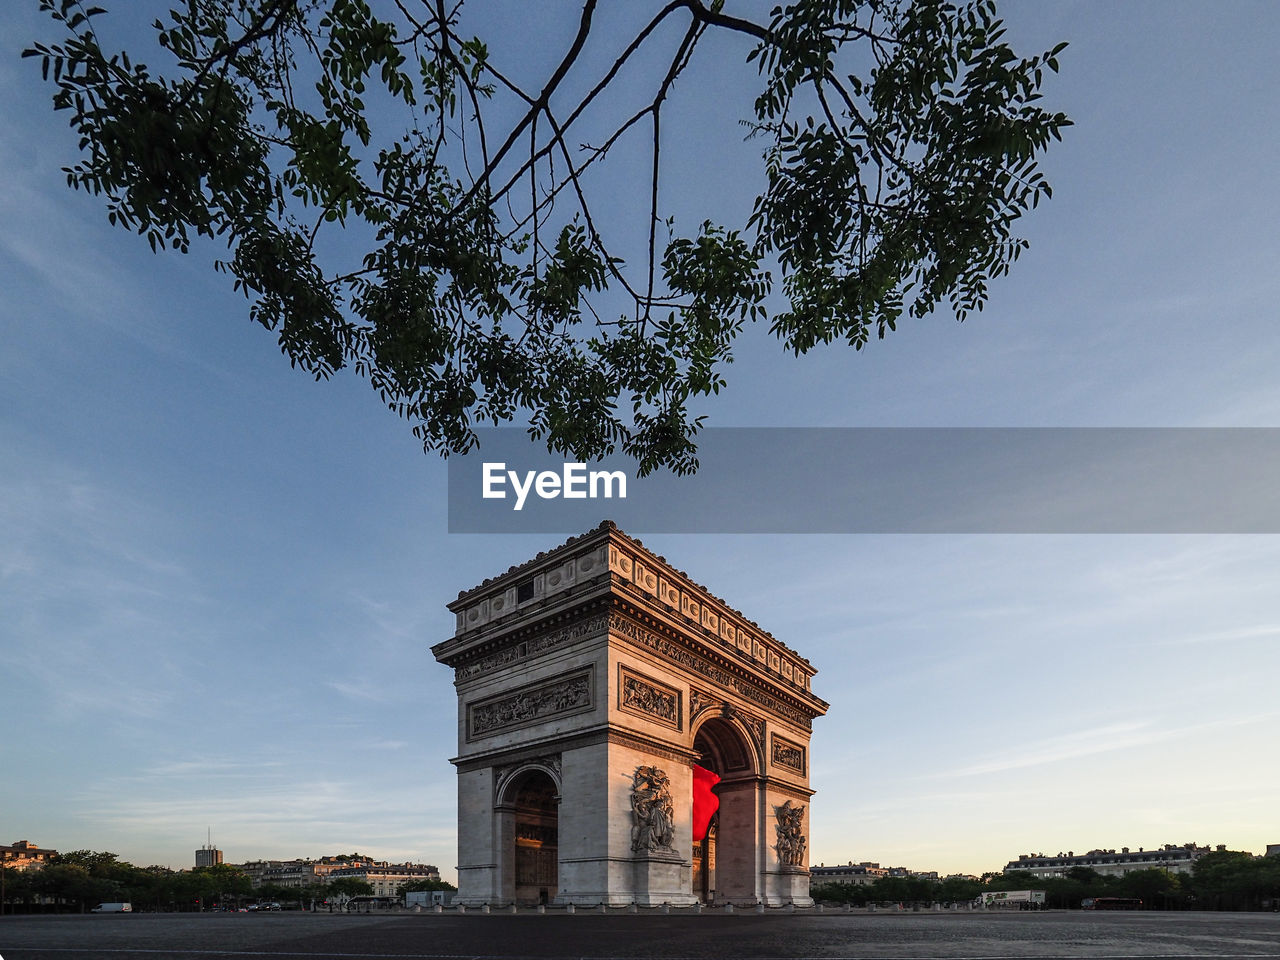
(591, 680)
(726, 864)
(529, 823)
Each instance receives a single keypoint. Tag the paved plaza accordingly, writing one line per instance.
(967, 936)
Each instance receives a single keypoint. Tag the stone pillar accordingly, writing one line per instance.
(504, 835)
(738, 841)
(477, 856)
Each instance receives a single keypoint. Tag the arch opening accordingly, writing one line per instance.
(533, 800)
(724, 859)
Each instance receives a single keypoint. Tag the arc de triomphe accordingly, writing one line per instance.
(625, 737)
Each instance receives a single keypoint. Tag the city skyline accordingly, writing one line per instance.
(884, 868)
(220, 581)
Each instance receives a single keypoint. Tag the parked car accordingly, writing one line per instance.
(113, 908)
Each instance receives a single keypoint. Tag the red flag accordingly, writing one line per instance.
(705, 802)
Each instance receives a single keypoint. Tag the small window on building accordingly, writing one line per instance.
(524, 591)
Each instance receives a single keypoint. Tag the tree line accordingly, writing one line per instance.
(79, 880)
(1223, 880)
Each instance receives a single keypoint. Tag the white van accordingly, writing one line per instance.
(113, 908)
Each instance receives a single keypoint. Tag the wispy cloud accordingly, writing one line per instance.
(207, 768)
(1083, 743)
(88, 565)
(283, 810)
(367, 691)
(57, 249)
(1241, 635)
(390, 620)
(389, 744)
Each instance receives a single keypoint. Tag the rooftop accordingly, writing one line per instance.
(611, 529)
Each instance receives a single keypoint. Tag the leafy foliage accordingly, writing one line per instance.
(350, 887)
(900, 144)
(80, 879)
(1223, 880)
(414, 886)
(1232, 880)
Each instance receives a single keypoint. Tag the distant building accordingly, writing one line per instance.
(1273, 850)
(24, 855)
(846, 873)
(254, 869)
(387, 878)
(863, 873)
(297, 873)
(208, 856)
(1176, 858)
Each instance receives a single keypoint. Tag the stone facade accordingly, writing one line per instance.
(1176, 858)
(386, 878)
(24, 855)
(590, 681)
(307, 872)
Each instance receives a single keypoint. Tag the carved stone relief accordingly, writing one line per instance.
(788, 754)
(680, 655)
(652, 811)
(791, 842)
(640, 694)
(568, 694)
(700, 700)
(526, 648)
(755, 725)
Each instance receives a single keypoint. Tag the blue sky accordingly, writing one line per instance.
(219, 580)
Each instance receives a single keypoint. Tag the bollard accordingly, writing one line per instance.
(728, 908)
(633, 908)
(513, 907)
(570, 909)
(485, 908)
(542, 908)
(666, 907)
(818, 909)
(697, 907)
(438, 908)
(604, 907)
(790, 908)
(462, 908)
(759, 907)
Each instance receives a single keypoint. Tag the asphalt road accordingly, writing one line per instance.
(967, 936)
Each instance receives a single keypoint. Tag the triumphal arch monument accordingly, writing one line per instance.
(625, 737)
